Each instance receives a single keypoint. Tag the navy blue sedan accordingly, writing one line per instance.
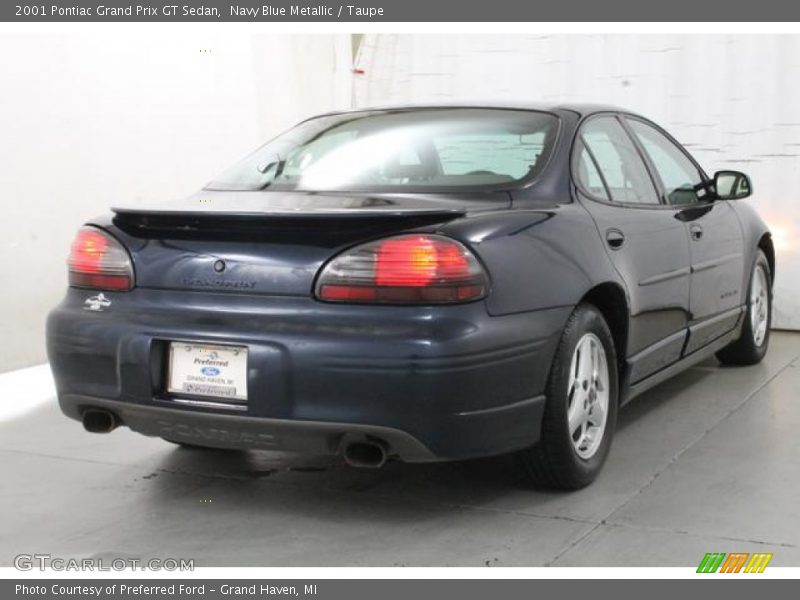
(419, 284)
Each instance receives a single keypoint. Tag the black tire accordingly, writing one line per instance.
(745, 350)
(554, 461)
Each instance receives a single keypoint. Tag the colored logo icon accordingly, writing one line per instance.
(735, 562)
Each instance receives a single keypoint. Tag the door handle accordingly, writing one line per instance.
(696, 232)
(615, 238)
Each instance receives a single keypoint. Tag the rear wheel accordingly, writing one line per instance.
(752, 345)
(581, 410)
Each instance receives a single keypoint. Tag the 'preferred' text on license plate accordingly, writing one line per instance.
(204, 370)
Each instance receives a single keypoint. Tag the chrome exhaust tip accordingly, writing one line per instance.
(99, 421)
(365, 455)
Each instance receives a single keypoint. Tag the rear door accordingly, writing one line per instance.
(716, 241)
(648, 245)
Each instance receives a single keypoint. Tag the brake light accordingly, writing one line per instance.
(98, 261)
(405, 269)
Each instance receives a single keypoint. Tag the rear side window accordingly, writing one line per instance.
(616, 161)
(682, 182)
(589, 176)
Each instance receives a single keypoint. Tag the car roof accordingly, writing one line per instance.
(580, 108)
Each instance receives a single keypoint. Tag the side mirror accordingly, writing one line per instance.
(732, 185)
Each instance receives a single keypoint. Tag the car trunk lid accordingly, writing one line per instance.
(270, 242)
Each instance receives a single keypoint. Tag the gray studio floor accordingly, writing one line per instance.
(705, 462)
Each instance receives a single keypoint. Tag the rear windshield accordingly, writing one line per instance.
(400, 150)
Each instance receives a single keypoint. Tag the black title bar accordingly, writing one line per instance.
(397, 589)
(401, 10)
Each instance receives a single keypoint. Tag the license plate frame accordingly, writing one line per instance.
(207, 371)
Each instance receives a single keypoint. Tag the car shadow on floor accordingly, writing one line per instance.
(481, 482)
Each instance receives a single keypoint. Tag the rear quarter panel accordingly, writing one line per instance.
(537, 259)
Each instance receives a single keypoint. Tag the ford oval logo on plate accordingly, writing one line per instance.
(210, 371)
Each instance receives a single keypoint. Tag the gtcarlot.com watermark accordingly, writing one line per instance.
(44, 562)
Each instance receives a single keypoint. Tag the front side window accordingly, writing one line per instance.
(682, 182)
(401, 150)
(624, 174)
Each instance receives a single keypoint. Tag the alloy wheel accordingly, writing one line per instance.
(588, 394)
(759, 305)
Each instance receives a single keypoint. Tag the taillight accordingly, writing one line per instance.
(405, 269)
(98, 261)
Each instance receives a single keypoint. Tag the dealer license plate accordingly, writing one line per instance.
(209, 371)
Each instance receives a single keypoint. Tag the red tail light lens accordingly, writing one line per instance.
(406, 269)
(98, 261)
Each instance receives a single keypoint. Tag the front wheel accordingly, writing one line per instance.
(581, 410)
(752, 345)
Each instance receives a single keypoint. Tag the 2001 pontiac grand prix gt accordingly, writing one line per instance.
(429, 283)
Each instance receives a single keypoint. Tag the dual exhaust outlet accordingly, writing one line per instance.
(96, 420)
(361, 454)
(365, 455)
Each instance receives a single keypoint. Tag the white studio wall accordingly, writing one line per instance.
(733, 100)
(87, 121)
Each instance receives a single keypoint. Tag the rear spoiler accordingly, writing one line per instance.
(275, 225)
(304, 213)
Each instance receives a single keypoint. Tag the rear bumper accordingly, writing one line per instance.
(431, 383)
(257, 433)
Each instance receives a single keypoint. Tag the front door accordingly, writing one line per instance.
(716, 240)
